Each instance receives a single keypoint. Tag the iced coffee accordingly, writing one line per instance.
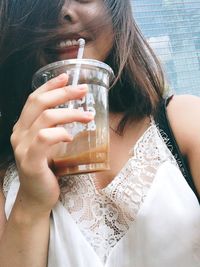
(89, 150)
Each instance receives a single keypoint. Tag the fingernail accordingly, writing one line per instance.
(83, 87)
(89, 114)
(62, 76)
(70, 137)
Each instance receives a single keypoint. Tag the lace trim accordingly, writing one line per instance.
(167, 141)
(11, 175)
(104, 216)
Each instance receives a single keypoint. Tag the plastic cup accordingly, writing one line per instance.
(89, 150)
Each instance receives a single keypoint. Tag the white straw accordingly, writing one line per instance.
(78, 65)
(81, 48)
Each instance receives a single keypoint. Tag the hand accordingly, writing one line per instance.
(36, 132)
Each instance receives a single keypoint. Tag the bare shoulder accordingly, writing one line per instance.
(184, 117)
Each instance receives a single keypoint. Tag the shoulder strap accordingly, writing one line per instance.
(164, 126)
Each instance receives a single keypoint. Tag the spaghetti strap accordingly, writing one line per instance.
(164, 126)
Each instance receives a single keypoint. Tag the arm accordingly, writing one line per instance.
(25, 236)
(184, 116)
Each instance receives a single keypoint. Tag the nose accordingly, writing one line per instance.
(68, 13)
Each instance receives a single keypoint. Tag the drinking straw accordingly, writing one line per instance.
(78, 65)
(78, 68)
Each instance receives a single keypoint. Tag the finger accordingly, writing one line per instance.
(44, 140)
(59, 81)
(37, 103)
(37, 153)
(61, 95)
(49, 118)
(52, 117)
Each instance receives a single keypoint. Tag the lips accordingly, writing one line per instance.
(67, 48)
(67, 43)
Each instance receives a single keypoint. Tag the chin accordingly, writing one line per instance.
(93, 57)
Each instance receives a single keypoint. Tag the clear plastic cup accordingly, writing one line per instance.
(89, 150)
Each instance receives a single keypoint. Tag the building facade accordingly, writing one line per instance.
(172, 27)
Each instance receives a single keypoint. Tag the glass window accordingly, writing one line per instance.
(173, 30)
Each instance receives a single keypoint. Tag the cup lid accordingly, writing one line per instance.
(84, 61)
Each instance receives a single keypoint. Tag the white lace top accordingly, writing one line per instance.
(104, 218)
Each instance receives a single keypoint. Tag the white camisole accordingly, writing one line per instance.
(146, 217)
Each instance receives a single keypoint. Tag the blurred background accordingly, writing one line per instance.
(172, 27)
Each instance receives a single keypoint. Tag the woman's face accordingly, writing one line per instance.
(89, 20)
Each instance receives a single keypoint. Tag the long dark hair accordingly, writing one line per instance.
(140, 81)
(27, 26)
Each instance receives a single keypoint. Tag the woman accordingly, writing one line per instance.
(140, 213)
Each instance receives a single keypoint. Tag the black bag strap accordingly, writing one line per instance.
(165, 128)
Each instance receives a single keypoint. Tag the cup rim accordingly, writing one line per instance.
(76, 61)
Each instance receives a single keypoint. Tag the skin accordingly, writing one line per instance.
(184, 112)
(25, 235)
(81, 15)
